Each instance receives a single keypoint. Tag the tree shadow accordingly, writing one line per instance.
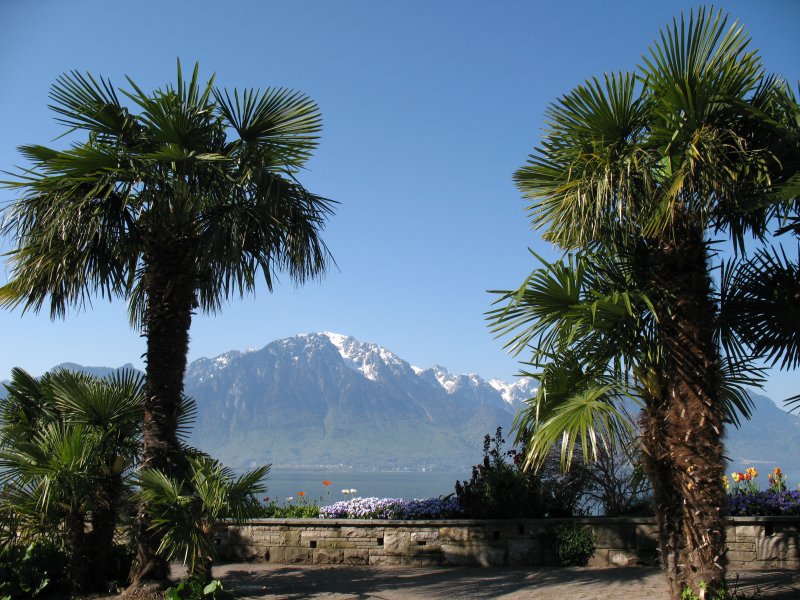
(442, 582)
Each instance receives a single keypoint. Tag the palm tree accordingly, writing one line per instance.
(644, 165)
(598, 353)
(69, 442)
(187, 509)
(175, 208)
(49, 482)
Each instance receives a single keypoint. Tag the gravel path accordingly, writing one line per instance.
(264, 580)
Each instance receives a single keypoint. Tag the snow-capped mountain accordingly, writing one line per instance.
(328, 398)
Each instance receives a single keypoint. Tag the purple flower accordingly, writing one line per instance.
(392, 508)
(764, 503)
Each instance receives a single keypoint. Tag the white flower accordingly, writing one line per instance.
(290, 498)
(353, 491)
(345, 492)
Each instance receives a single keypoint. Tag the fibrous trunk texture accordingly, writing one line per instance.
(683, 428)
(170, 301)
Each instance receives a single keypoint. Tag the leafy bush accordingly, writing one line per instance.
(503, 490)
(29, 572)
(393, 508)
(290, 511)
(184, 510)
(194, 588)
(574, 544)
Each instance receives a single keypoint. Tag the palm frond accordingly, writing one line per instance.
(280, 122)
(761, 306)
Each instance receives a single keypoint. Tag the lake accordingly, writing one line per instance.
(285, 483)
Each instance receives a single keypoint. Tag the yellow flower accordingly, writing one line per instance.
(737, 477)
(752, 472)
(726, 482)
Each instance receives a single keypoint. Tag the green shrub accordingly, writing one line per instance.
(497, 489)
(290, 511)
(501, 489)
(574, 544)
(726, 594)
(29, 572)
(194, 588)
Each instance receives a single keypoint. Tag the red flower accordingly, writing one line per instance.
(301, 494)
(326, 482)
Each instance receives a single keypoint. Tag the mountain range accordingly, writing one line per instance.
(326, 399)
(329, 399)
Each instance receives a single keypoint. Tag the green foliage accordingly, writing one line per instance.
(499, 489)
(574, 544)
(68, 444)
(291, 511)
(194, 588)
(722, 594)
(35, 570)
(209, 169)
(184, 510)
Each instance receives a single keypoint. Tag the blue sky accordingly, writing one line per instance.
(428, 106)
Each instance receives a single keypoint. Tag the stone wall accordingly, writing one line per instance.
(753, 542)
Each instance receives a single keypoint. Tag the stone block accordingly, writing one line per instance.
(352, 532)
(275, 554)
(614, 535)
(352, 556)
(295, 555)
(425, 535)
(397, 542)
(474, 554)
(737, 558)
(771, 548)
(744, 532)
(290, 538)
(646, 537)
(745, 546)
(525, 551)
(600, 558)
(623, 558)
(327, 556)
(456, 534)
(382, 559)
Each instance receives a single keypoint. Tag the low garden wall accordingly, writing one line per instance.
(753, 542)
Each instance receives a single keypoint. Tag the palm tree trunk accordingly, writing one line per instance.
(684, 429)
(76, 542)
(169, 288)
(104, 523)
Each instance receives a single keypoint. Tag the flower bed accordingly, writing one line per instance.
(764, 503)
(746, 499)
(392, 508)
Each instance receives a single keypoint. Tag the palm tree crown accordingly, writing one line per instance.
(95, 218)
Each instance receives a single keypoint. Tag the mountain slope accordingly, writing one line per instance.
(329, 399)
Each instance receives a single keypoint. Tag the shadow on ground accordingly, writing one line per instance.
(269, 581)
(388, 583)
